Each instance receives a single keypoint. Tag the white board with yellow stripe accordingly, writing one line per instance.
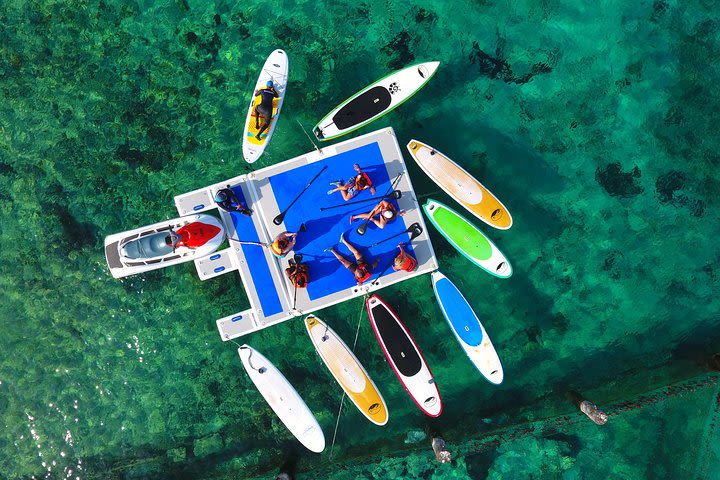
(275, 69)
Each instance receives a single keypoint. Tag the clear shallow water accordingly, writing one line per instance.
(596, 126)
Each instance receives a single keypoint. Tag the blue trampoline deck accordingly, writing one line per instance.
(325, 227)
(271, 190)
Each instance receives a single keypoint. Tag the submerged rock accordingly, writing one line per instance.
(414, 436)
(619, 183)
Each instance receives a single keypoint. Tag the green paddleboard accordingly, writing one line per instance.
(467, 239)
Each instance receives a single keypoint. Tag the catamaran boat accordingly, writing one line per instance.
(163, 244)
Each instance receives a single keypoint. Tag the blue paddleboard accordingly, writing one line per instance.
(467, 328)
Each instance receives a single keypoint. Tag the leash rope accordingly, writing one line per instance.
(342, 399)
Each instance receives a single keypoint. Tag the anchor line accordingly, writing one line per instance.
(342, 399)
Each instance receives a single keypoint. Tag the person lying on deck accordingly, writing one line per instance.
(298, 274)
(385, 212)
(228, 201)
(355, 185)
(404, 260)
(360, 268)
(265, 107)
(283, 243)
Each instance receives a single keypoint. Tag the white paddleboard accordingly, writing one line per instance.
(467, 328)
(275, 69)
(283, 399)
(375, 100)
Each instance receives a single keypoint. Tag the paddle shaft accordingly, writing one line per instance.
(393, 260)
(279, 219)
(410, 229)
(361, 229)
(391, 195)
(248, 242)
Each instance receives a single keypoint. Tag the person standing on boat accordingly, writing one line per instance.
(385, 212)
(355, 185)
(265, 107)
(228, 201)
(361, 269)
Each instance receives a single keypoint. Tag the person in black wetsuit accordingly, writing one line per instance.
(228, 201)
(265, 108)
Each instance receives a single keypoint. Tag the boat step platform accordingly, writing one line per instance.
(215, 264)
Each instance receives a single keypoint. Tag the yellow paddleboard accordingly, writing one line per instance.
(347, 370)
(460, 185)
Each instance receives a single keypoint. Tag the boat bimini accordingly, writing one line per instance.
(163, 244)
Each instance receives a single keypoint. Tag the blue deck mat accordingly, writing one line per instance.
(257, 264)
(327, 275)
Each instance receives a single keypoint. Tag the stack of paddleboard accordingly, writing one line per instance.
(471, 242)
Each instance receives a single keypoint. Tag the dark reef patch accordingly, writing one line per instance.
(618, 183)
(615, 264)
(669, 187)
(422, 15)
(398, 49)
(75, 233)
(496, 67)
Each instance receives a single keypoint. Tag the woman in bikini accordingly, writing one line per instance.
(360, 268)
(384, 211)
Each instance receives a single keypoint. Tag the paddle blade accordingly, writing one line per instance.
(415, 230)
(362, 228)
(279, 219)
(397, 194)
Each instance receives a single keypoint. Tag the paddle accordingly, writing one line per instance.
(415, 233)
(362, 228)
(414, 229)
(248, 242)
(297, 258)
(279, 219)
(396, 194)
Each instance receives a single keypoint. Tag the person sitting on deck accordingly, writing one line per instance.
(298, 274)
(283, 243)
(265, 107)
(360, 182)
(404, 260)
(228, 201)
(361, 269)
(385, 212)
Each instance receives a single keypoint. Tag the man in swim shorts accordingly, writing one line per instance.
(360, 268)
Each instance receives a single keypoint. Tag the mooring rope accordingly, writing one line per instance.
(342, 399)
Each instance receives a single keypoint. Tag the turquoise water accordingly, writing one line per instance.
(595, 125)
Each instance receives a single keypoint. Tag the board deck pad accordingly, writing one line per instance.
(469, 240)
(459, 313)
(270, 190)
(398, 344)
(363, 107)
